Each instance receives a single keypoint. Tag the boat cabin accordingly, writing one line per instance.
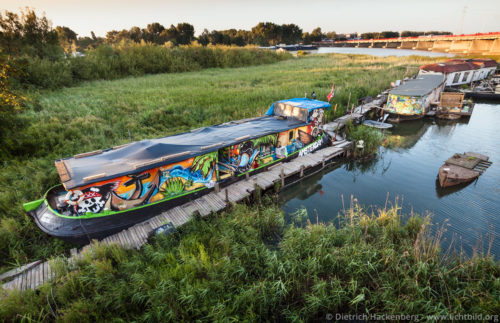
(413, 97)
(459, 71)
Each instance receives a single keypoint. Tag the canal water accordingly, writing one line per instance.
(406, 171)
(378, 51)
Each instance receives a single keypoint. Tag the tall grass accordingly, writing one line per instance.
(248, 265)
(102, 114)
(130, 59)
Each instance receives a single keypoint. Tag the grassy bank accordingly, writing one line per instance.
(103, 114)
(248, 265)
(108, 62)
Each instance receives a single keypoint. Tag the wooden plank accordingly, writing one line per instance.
(217, 201)
(29, 273)
(263, 183)
(128, 240)
(134, 236)
(202, 207)
(90, 153)
(119, 237)
(155, 222)
(143, 232)
(24, 281)
(179, 216)
(62, 170)
(217, 204)
(35, 278)
(50, 273)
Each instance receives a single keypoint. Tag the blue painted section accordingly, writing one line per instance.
(303, 103)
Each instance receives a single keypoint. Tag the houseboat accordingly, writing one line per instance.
(412, 99)
(459, 71)
(106, 191)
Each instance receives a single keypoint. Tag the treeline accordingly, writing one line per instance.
(41, 56)
(263, 34)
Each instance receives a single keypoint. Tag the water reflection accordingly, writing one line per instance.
(407, 167)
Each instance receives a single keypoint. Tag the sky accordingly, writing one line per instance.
(343, 16)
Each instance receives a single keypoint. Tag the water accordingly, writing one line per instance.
(409, 173)
(378, 51)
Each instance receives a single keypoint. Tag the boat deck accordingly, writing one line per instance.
(281, 175)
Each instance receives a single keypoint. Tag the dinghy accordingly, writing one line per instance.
(462, 168)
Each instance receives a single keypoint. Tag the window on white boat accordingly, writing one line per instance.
(464, 78)
(456, 77)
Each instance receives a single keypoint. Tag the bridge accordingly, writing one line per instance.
(483, 44)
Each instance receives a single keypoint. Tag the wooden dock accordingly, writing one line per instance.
(280, 175)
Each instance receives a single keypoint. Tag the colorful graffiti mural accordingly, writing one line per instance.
(405, 105)
(139, 189)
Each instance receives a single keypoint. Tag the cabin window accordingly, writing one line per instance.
(290, 135)
(456, 78)
(286, 110)
(464, 78)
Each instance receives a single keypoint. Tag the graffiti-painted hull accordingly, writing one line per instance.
(81, 230)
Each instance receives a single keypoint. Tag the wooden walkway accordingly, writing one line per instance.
(35, 274)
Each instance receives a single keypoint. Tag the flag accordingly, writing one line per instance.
(332, 93)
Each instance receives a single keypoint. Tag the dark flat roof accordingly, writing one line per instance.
(142, 155)
(422, 85)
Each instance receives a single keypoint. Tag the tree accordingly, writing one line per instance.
(135, 33)
(28, 34)
(389, 34)
(290, 34)
(316, 34)
(266, 33)
(153, 33)
(306, 38)
(331, 35)
(10, 101)
(185, 33)
(204, 38)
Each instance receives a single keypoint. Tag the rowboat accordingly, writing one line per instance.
(105, 191)
(462, 168)
(377, 124)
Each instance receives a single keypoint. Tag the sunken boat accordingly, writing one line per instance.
(412, 99)
(106, 191)
(462, 168)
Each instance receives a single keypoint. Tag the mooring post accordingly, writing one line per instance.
(217, 188)
(282, 175)
(255, 189)
(323, 161)
(247, 176)
(301, 170)
(227, 196)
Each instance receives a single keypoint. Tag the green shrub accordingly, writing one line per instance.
(129, 59)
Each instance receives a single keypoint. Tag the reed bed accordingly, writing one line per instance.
(248, 265)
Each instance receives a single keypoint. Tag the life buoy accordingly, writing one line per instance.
(69, 197)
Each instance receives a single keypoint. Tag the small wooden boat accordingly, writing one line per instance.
(462, 168)
(377, 124)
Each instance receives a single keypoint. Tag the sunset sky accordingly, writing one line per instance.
(340, 16)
